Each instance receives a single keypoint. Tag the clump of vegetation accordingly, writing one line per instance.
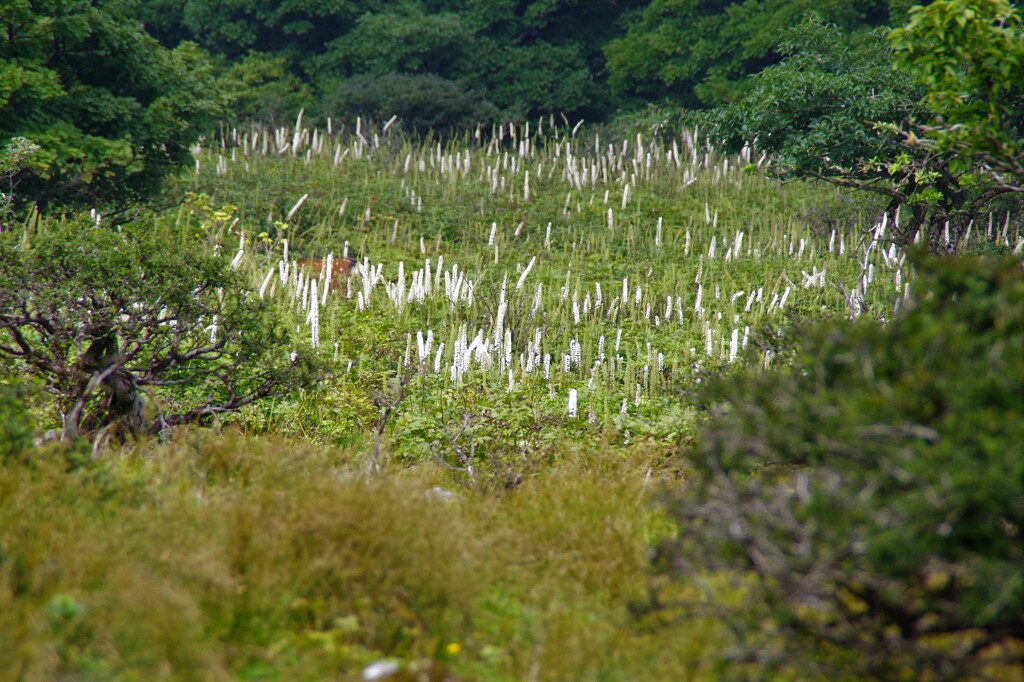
(872, 483)
(13, 159)
(259, 89)
(16, 425)
(700, 53)
(102, 317)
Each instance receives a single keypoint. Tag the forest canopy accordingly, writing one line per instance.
(517, 59)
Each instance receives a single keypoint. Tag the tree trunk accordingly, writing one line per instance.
(100, 367)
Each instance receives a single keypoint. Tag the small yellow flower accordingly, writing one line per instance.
(453, 648)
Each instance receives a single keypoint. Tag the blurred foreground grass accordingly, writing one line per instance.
(220, 557)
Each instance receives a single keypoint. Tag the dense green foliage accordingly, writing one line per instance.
(108, 135)
(260, 87)
(516, 58)
(13, 160)
(699, 52)
(841, 114)
(969, 54)
(16, 424)
(817, 112)
(874, 482)
(112, 111)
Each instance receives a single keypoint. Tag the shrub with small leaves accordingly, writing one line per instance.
(104, 316)
(874, 485)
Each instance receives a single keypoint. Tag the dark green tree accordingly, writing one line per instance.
(405, 40)
(294, 29)
(839, 113)
(401, 62)
(519, 58)
(539, 78)
(111, 110)
(867, 492)
(260, 88)
(102, 317)
(546, 56)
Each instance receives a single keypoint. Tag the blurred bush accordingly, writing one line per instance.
(873, 483)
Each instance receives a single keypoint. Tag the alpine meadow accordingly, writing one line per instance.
(327, 352)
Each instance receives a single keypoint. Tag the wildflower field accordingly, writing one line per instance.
(479, 485)
(538, 286)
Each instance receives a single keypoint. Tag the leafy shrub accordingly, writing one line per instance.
(834, 112)
(874, 485)
(103, 316)
(13, 159)
(409, 41)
